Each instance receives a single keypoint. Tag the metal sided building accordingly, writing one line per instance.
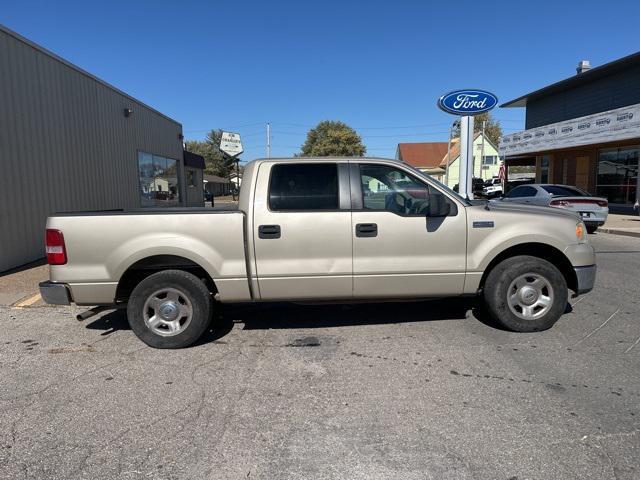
(584, 131)
(71, 142)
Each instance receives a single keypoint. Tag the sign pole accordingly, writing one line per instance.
(466, 157)
(482, 153)
(231, 146)
(268, 140)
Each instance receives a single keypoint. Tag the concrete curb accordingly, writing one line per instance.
(616, 231)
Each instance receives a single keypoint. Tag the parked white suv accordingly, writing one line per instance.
(492, 188)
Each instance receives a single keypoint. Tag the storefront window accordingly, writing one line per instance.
(618, 174)
(158, 180)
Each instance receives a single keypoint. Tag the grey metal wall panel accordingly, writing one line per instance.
(65, 145)
(615, 91)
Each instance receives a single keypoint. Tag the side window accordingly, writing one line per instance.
(304, 186)
(520, 192)
(392, 190)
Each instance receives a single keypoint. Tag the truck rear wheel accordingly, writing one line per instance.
(525, 294)
(170, 309)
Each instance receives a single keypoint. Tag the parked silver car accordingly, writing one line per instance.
(592, 210)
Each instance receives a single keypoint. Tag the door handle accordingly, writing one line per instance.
(367, 230)
(269, 231)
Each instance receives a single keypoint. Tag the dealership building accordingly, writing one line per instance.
(71, 142)
(584, 131)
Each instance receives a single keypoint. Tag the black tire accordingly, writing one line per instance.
(192, 292)
(497, 292)
(591, 228)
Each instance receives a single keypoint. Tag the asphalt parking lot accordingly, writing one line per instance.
(405, 391)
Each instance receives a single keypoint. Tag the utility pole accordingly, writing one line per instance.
(446, 167)
(268, 140)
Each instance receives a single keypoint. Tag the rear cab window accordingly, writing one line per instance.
(304, 186)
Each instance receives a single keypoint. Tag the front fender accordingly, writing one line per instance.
(484, 253)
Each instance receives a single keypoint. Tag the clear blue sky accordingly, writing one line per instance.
(377, 65)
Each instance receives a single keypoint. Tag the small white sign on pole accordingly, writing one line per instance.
(231, 144)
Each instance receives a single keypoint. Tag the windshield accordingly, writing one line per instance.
(438, 184)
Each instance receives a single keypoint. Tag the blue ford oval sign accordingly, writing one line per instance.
(467, 102)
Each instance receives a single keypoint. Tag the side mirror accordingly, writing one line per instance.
(438, 205)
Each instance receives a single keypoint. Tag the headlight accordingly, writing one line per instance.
(581, 232)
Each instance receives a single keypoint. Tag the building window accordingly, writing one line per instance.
(304, 187)
(158, 180)
(618, 174)
(544, 169)
(490, 160)
(192, 178)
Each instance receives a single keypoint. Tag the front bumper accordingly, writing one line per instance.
(55, 293)
(586, 278)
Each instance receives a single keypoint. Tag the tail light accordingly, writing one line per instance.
(56, 251)
(566, 203)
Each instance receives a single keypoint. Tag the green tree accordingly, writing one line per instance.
(492, 127)
(216, 162)
(332, 139)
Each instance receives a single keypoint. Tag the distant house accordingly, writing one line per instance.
(425, 156)
(432, 158)
(217, 186)
(485, 169)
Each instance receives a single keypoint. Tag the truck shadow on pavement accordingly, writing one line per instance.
(300, 315)
(281, 315)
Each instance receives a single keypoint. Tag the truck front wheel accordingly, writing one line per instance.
(170, 309)
(525, 294)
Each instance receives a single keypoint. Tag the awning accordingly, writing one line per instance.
(193, 160)
(610, 126)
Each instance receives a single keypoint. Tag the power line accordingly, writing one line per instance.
(226, 127)
(302, 125)
(440, 124)
(417, 134)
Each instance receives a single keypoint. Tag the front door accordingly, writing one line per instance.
(302, 231)
(398, 250)
(582, 172)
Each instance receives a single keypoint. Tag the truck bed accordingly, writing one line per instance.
(101, 246)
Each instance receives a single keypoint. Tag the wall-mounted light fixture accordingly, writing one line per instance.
(128, 112)
(180, 136)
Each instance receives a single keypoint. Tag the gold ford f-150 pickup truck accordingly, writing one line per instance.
(330, 229)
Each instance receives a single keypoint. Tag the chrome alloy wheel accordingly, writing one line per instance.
(530, 296)
(167, 312)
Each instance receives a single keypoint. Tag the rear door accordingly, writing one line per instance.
(398, 250)
(302, 230)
